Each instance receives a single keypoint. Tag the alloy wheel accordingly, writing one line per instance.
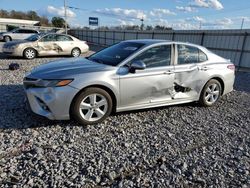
(76, 53)
(212, 93)
(93, 107)
(30, 53)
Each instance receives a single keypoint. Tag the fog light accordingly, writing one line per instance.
(42, 104)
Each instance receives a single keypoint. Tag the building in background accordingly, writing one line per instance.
(7, 24)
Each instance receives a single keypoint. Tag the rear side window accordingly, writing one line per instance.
(21, 31)
(63, 38)
(202, 56)
(190, 54)
(31, 31)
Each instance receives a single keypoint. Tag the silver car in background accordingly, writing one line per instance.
(17, 34)
(46, 45)
(130, 75)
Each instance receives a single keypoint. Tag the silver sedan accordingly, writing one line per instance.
(46, 45)
(130, 75)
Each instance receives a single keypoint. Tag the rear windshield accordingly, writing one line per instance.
(115, 54)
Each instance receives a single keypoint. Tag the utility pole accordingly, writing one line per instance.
(65, 15)
(242, 23)
(142, 25)
(200, 25)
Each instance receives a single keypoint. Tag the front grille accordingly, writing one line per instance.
(7, 53)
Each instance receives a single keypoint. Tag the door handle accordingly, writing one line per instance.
(204, 68)
(168, 72)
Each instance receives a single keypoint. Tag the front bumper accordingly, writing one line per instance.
(11, 51)
(52, 103)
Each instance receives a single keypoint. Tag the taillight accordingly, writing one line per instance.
(231, 67)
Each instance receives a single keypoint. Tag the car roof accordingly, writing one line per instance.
(158, 41)
(148, 41)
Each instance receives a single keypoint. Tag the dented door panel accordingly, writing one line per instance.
(48, 48)
(65, 47)
(147, 86)
(188, 81)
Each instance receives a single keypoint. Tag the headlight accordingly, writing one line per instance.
(53, 83)
(14, 46)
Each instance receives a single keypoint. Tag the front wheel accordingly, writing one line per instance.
(29, 53)
(91, 106)
(210, 93)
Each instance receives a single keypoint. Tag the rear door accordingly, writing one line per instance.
(66, 44)
(29, 32)
(190, 76)
(17, 34)
(153, 84)
(23, 34)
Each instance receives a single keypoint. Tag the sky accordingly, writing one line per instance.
(178, 14)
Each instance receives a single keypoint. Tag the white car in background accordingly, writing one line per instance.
(17, 34)
(52, 44)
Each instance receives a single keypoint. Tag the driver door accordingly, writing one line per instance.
(153, 84)
(48, 46)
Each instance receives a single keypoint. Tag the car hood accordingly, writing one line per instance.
(67, 68)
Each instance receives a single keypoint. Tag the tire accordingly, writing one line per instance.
(7, 38)
(91, 106)
(210, 93)
(29, 53)
(76, 52)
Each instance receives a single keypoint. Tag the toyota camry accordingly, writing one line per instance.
(46, 45)
(130, 75)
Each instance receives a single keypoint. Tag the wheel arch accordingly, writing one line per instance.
(8, 36)
(219, 79)
(105, 88)
(76, 47)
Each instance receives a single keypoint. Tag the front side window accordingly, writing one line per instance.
(156, 56)
(190, 54)
(115, 54)
(48, 38)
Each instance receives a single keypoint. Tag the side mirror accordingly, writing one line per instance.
(137, 65)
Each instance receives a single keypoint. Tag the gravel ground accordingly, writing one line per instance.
(178, 146)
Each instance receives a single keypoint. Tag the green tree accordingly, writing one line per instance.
(149, 28)
(58, 22)
(32, 15)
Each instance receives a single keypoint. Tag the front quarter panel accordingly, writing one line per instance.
(106, 78)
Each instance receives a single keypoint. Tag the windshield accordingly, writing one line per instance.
(33, 38)
(115, 54)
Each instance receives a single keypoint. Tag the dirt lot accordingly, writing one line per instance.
(176, 146)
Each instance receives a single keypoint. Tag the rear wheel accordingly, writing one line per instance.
(76, 52)
(29, 53)
(7, 38)
(91, 106)
(210, 93)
